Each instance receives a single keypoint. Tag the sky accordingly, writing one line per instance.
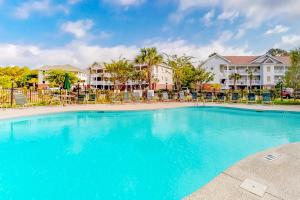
(79, 32)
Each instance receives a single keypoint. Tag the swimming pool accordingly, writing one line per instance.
(158, 154)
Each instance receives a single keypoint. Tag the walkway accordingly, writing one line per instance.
(272, 174)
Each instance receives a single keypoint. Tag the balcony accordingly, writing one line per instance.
(244, 82)
(281, 72)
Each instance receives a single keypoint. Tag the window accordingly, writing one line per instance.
(269, 78)
(268, 69)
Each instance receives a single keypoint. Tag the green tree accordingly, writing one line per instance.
(149, 57)
(120, 72)
(251, 76)
(186, 74)
(5, 81)
(56, 77)
(139, 76)
(277, 52)
(235, 77)
(182, 68)
(292, 76)
(201, 76)
(20, 75)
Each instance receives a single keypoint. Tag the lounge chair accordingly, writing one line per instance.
(92, 98)
(251, 97)
(136, 96)
(20, 99)
(209, 97)
(194, 96)
(181, 96)
(116, 98)
(235, 97)
(81, 98)
(126, 97)
(266, 98)
(165, 96)
(221, 97)
(150, 95)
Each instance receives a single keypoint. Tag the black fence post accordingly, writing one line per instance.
(12, 93)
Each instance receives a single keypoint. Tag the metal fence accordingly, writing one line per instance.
(55, 97)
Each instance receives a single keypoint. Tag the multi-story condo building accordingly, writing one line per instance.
(267, 70)
(163, 76)
(43, 71)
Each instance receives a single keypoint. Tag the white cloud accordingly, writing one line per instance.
(190, 4)
(277, 29)
(231, 15)
(288, 42)
(81, 54)
(125, 3)
(207, 18)
(78, 28)
(252, 12)
(43, 6)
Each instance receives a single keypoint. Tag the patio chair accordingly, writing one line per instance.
(81, 98)
(209, 97)
(266, 98)
(251, 97)
(20, 99)
(194, 96)
(235, 97)
(150, 95)
(126, 98)
(221, 97)
(136, 96)
(181, 96)
(116, 98)
(165, 96)
(92, 98)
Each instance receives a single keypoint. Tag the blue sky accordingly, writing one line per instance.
(79, 32)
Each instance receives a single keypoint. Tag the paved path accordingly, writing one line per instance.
(280, 176)
(11, 113)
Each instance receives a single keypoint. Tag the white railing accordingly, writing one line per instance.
(279, 71)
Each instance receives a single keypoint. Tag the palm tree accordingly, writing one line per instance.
(235, 77)
(150, 58)
(250, 74)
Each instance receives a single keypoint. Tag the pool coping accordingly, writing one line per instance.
(280, 177)
(31, 111)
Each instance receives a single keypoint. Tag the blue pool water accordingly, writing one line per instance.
(161, 154)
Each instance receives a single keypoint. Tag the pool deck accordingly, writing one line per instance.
(29, 111)
(277, 179)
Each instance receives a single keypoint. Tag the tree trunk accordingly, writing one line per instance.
(234, 83)
(150, 77)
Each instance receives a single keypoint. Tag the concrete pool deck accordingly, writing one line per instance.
(29, 111)
(273, 179)
(279, 179)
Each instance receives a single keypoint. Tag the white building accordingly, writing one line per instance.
(267, 70)
(43, 71)
(163, 75)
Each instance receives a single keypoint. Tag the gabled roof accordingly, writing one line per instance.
(245, 60)
(284, 59)
(67, 67)
(240, 60)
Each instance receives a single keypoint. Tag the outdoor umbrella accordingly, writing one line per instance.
(67, 82)
(67, 86)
